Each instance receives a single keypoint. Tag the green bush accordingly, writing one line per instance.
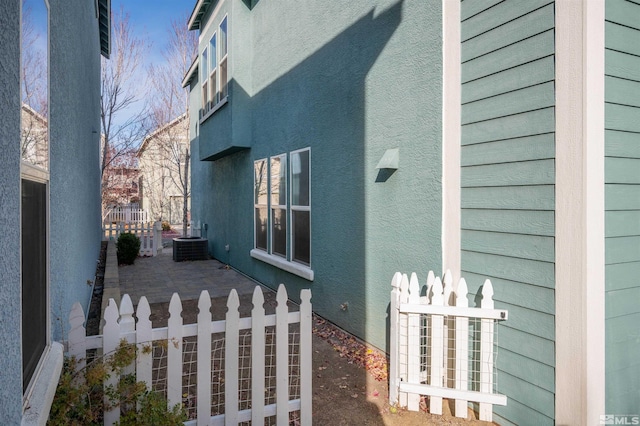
(128, 246)
(80, 395)
(166, 226)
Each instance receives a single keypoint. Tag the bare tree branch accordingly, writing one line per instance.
(121, 128)
(168, 114)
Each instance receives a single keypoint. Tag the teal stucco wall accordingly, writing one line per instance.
(622, 206)
(507, 199)
(10, 314)
(355, 79)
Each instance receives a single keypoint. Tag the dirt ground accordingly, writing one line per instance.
(350, 384)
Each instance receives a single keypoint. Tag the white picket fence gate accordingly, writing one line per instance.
(125, 214)
(235, 359)
(442, 348)
(150, 235)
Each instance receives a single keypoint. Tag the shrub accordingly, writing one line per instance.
(166, 226)
(128, 247)
(80, 396)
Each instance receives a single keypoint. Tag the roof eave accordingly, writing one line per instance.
(104, 26)
(197, 14)
(191, 72)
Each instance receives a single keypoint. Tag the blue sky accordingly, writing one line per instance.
(152, 18)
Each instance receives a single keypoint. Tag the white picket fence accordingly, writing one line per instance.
(442, 348)
(233, 379)
(125, 214)
(150, 235)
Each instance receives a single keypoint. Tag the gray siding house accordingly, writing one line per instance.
(338, 142)
(50, 211)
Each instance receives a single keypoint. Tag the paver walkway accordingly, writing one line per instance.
(159, 277)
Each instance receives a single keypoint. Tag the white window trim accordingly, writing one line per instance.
(267, 256)
(271, 206)
(212, 111)
(279, 262)
(223, 58)
(204, 78)
(293, 207)
(258, 205)
(38, 401)
(213, 68)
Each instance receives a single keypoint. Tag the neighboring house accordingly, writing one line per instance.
(161, 158)
(50, 203)
(121, 185)
(34, 143)
(338, 142)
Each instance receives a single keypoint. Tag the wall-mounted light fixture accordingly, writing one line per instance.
(390, 159)
(388, 164)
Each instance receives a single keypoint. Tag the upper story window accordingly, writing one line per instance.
(213, 71)
(282, 211)
(213, 77)
(223, 58)
(204, 77)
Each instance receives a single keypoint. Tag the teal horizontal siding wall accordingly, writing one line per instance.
(622, 205)
(508, 193)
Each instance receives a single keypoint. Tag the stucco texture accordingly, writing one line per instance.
(10, 354)
(75, 177)
(355, 79)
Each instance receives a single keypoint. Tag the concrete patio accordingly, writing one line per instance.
(159, 277)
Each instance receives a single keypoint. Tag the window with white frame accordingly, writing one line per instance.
(204, 78)
(260, 203)
(213, 70)
(301, 206)
(282, 208)
(223, 58)
(213, 82)
(278, 187)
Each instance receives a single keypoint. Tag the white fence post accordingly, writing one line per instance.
(394, 343)
(437, 328)
(157, 237)
(144, 361)
(111, 340)
(174, 352)
(127, 323)
(282, 357)
(257, 356)
(403, 355)
(413, 342)
(204, 359)
(486, 352)
(77, 336)
(306, 366)
(462, 349)
(232, 341)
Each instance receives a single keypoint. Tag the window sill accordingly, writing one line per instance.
(38, 402)
(279, 262)
(215, 108)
